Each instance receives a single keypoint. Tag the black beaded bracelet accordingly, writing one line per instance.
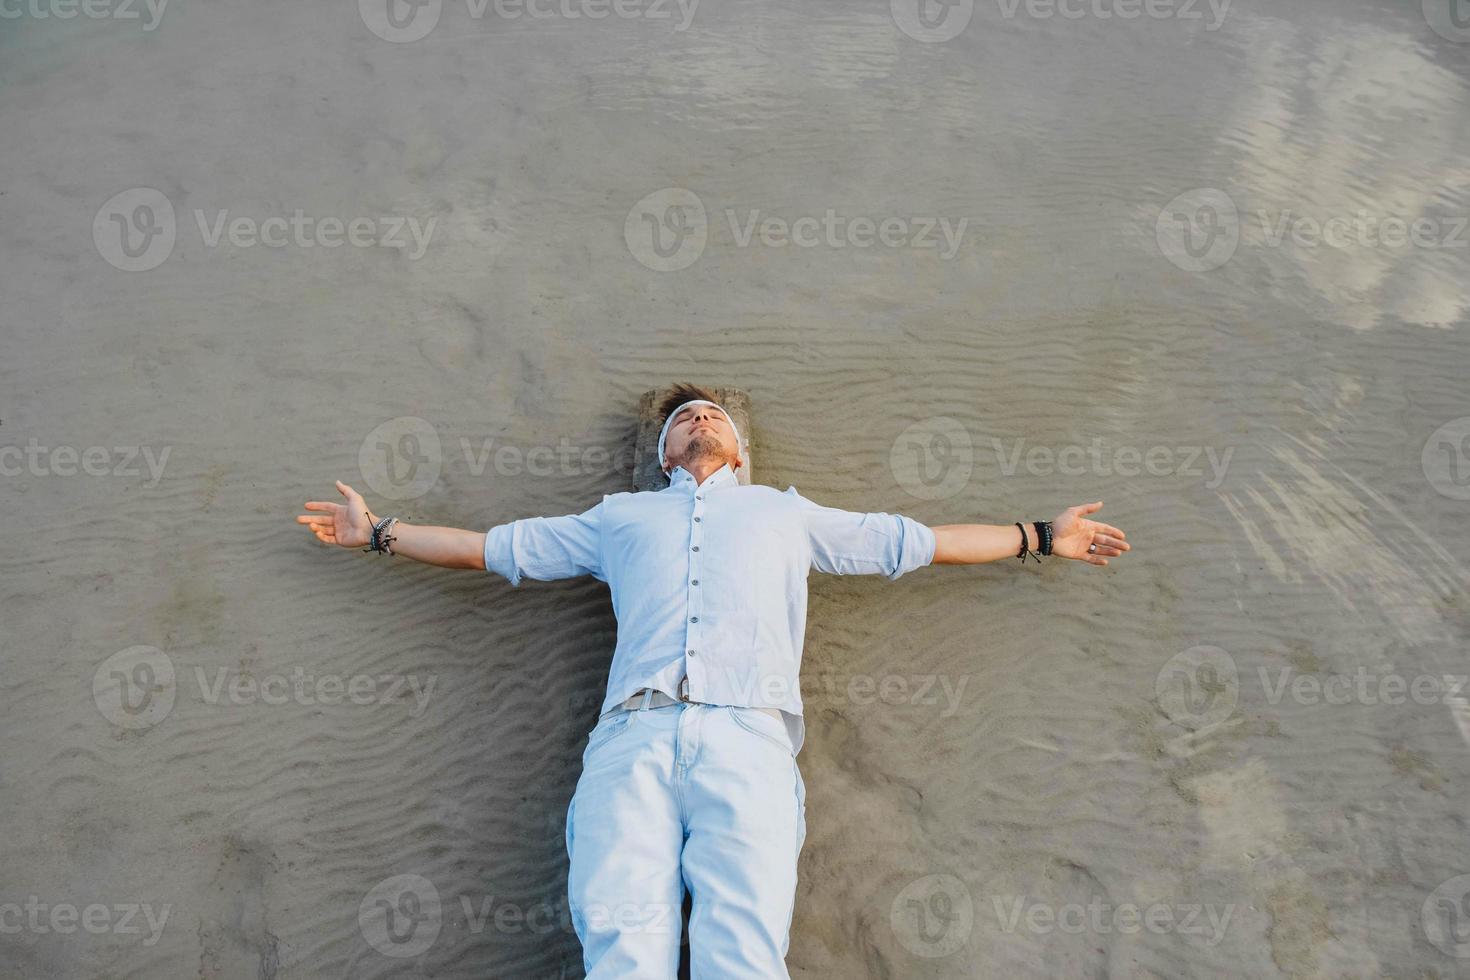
(1043, 540)
(381, 544)
(1043, 536)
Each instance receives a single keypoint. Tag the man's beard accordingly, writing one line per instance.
(703, 446)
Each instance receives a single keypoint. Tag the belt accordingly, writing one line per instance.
(648, 697)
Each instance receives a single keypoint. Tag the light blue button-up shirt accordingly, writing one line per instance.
(709, 581)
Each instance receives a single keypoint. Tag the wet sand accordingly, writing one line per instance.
(977, 301)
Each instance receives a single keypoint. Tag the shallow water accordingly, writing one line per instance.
(1208, 269)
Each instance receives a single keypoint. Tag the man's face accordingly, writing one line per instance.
(699, 431)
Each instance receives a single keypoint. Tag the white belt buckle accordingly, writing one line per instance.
(684, 688)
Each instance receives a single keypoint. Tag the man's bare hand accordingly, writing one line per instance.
(346, 524)
(1072, 534)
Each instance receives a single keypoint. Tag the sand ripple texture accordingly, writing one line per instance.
(232, 752)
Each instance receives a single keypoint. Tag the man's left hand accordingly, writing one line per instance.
(1073, 534)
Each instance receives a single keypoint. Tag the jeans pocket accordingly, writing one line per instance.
(759, 723)
(605, 731)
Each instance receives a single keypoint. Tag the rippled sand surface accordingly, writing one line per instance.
(211, 717)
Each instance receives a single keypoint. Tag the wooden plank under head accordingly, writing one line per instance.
(647, 475)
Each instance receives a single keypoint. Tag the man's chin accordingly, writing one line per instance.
(702, 450)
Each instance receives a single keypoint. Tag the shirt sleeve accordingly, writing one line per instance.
(545, 548)
(845, 542)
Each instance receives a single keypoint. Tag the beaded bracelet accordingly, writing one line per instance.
(1043, 540)
(1043, 535)
(380, 543)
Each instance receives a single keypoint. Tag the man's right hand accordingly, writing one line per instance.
(347, 524)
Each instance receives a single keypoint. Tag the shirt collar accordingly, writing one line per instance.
(682, 478)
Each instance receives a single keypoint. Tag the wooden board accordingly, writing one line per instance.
(647, 474)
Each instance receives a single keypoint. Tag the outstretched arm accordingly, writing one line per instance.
(1072, 534)
(350, 525)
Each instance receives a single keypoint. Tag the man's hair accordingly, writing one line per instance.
(678, 395)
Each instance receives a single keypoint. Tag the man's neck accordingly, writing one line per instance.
(701, 468)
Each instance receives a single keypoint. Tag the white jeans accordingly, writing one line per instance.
(687, 795)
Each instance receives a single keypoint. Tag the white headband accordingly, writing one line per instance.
(674, 414)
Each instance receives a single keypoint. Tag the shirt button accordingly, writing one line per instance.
(695, 548)
(691, 653)
(699, 496)
(696, 520)
(693, 619)
(694, 581)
